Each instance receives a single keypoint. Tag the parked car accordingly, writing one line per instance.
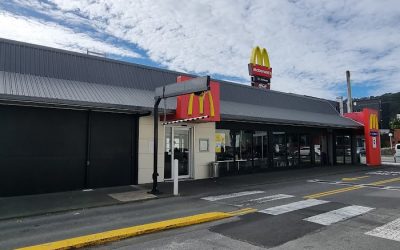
(397, 153)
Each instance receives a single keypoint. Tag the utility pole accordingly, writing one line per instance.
(349, 99)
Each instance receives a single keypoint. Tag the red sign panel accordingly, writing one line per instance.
(205, 104)
(259, 70)
(369, 118)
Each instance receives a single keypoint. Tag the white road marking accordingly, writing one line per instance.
(270, 198)
(292, 206)
(390, 231)
(394, 173)
(337, 215)
(233, 195)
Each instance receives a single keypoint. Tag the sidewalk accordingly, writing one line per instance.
(30, 205)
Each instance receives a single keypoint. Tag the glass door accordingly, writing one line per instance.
(178, 146)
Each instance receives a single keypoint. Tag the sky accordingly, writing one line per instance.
(311, 43)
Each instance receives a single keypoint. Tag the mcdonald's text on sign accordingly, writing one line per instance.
(258, 70)
(193, 105)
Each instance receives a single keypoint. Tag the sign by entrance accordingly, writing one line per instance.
(260, 69)
(205, 104)
(196, 85)
(369, 118)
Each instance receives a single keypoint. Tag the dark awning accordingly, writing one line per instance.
(254, 113)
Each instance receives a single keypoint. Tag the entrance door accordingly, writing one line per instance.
(180, 148)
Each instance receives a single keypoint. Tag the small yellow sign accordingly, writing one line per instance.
(219, 142)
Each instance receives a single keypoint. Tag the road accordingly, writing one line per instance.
(308, 211)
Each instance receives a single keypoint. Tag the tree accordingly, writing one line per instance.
(394, 123)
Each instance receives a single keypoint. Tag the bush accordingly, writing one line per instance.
(394, 123)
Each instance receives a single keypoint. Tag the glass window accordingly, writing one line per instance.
(305, 150)
(343, 149)
(260, 150)
(292, 146)
(224, 139)
(320, 150)
(317, 141)
(347, 149)
(279, 149)
(244, 140)
(168, 153)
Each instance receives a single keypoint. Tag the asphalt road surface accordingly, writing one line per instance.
(355, 210)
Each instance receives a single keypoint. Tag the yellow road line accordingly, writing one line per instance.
(385, 181)
(341, 190)
(355, 178)
(331, 192)
(123, 233)
(243, 211)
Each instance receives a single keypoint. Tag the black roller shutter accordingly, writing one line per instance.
(111, 149)
(41, 150)
(46, 150)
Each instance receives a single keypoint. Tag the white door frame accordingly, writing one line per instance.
(190, 130)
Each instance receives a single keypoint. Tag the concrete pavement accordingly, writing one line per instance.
(33, 205)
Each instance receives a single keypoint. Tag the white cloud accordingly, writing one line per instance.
(311, 43)
(54, 35)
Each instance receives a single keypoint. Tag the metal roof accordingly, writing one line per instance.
(38, 60)
(46, 90)
(46, 75)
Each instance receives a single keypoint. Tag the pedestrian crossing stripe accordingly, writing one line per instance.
(233, 195)
(270, 198)
(292, 206)
(390, 231)
(337, 215)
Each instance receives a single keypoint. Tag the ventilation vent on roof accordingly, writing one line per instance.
(96, 53)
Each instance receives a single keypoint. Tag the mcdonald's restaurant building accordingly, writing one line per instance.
(71, 121)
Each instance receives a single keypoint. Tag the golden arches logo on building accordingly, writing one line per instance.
(373, 121)
(201, 99)
(259, 56)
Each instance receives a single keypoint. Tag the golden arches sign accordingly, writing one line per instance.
(260, 57)
(373, 121)
(201, 103)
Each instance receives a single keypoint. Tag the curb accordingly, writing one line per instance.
(123, 233)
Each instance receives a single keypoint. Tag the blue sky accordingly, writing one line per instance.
(311, 43)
